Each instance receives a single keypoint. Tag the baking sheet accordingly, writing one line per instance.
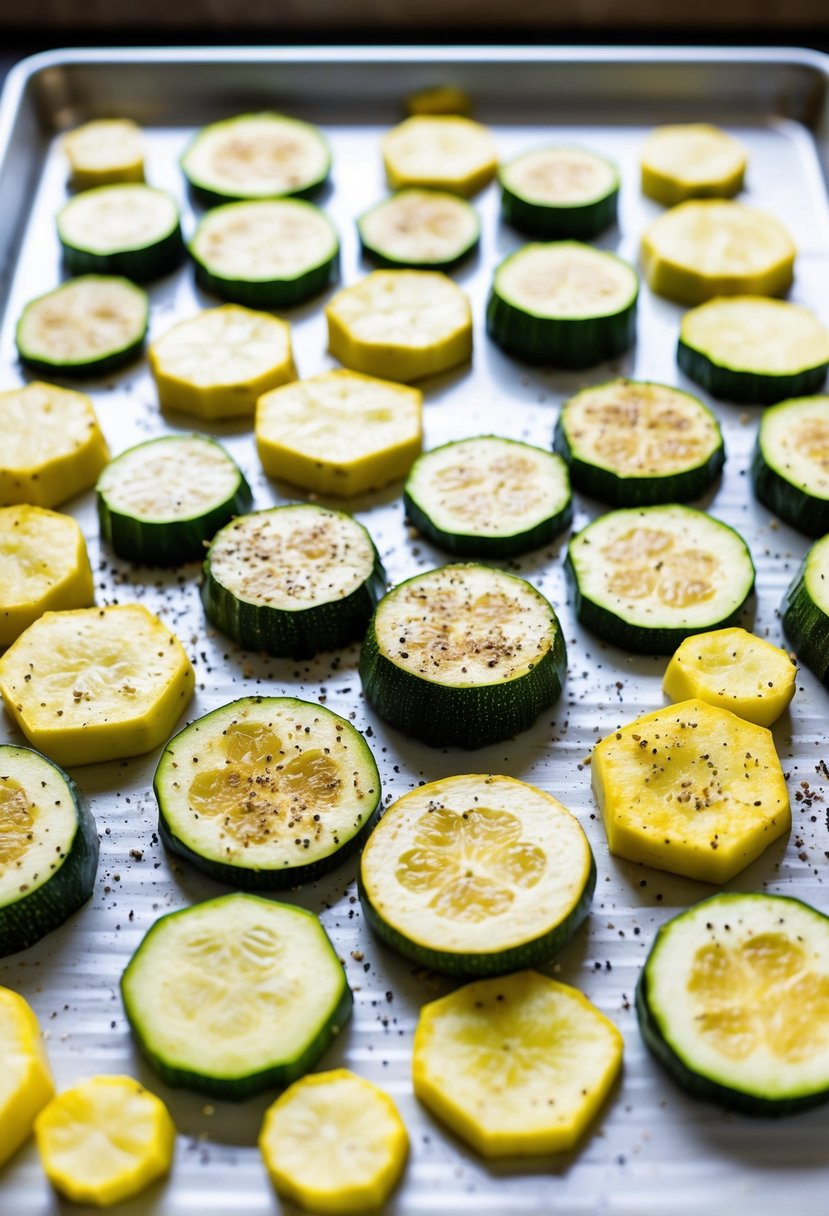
(651, 1149)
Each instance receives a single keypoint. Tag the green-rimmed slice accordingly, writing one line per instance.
(85, 327)
(419, 229)
(162, 500)
(633, 443)
(266, 792)
(646, 578)
(750, 349)
(559, 192)
(488, 497)
(805, 610)
(268, 254)
(477, 875)
(563, 303)
(790, 469)
(131, 230)
(254, 156)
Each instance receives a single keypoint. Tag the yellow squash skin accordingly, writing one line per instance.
(734, 670)
(691, 160)
(44, 567)
(25, 1078)
(104, 152)
(440, 151)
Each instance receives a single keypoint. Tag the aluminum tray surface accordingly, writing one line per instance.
(651, 1149)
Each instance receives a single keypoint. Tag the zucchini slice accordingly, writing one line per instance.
(691, 789)
(440, 152)
(754, 350)
(400, 325)
(646, 578)
(130, 230)
(27, 1078)
(477, 875)
(691, 160)
(256, 156)
(85, 327)
(44, 567)
(272, 253)
(48, 848)
(218, 363)
(105, 151)
(790, 468)
(713, 247)
(488, 497)
(339, 433)
(633, 443)
(282, 792)
(161, 501)
(734, 670)
(364, 1138)
(419, 229)
(96, 683)
(563, 303)
(515, 1066)
(805, 610)
(235, 995)
(732, 1001)
(105, 1140)
(51, 446)
(463, 656)
(559, 192)
(292, 580)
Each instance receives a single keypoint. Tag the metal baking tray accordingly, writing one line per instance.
(651, 1149)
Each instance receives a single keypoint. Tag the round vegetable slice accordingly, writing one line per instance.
(732, 1001)
(633, 443)
(104, 151)
(292, 580)
(130, 230)
(515, 1066)
(218, 363)
(272, 253)
(334, 1143)
(235, 995)
(750, 349)
(805, 610)
(790, 469)
(419, 229)
(734, 670)
(477, 875)
(48, 848)
(440, 152)
(283, 791)
(400, 325)
(255, 156)
(463, 656)
(160, 501)
(43, 566)
(85, 327)
(559, 192)
(27, 1080)
(105, 1140)
(488, 497)
(691, 160)
(563, 303)
(645, 579)
(712, 247)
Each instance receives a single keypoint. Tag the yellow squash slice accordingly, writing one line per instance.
(515, 1066)
(734, 670)
(25, 1078)
(96, 683)
(43, 567)
(691, 160)
(105, 151)
(51, 446)
(334, 1143)
(439, 99)
(691, 789)
(440, 152)
(339, 433)
(105, 1141)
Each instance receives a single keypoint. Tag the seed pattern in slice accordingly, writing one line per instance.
(266, 792)
(477, 875)
(419, 229)
(85, 327)
(734, 1001)
(105, 1140)
(805, 610)
(440, 152)
(339, 433)
(25, 1080)
(130, 230)
(633, 443)
(400, 325)
(103, 151)
(645, 579)
(235, 995)
(515, 1066)
(43, 566)
(96, 683)
(712, 247)
(734, 670)
(334, 1143)
(559, 192)
(691, 160)
(790, 468)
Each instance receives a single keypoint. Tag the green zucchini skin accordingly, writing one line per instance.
(807, 512)
(139, 265)
(48, 906)
(284, 293)
(744, 387)
(493, 547)
(565, 342)
(806, 625)
(515, 958)
(547, 222)
(385, 262)
(107, 362)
